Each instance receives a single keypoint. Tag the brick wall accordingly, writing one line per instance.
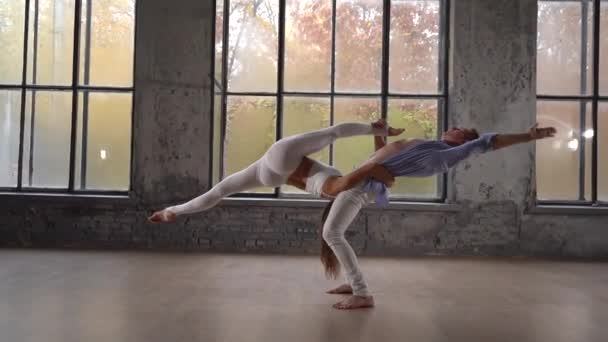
(490, 211)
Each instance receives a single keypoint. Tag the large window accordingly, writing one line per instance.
(288, 66)
(66, 85)
(572, 87)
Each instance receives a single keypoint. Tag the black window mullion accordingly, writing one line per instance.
(214, 84)
(10, 86)
(596, 64)
(23, 94)
(75, 71)
(105, 89)
(563, 97)
(583, 104)
(280, 77)
(444, 25)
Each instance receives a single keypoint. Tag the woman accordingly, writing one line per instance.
(286, 162)
(415, 158)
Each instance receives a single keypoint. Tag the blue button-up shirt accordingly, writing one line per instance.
(427, 158)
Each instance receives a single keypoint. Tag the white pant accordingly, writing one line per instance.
(276, 165)
(344, 210)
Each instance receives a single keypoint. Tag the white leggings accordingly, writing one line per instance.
(344, 210)
(276, 165)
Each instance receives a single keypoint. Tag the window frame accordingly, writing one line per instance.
(75, 88)
(594, 98)
(220, 88)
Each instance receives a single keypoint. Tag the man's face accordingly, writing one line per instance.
(458, 136)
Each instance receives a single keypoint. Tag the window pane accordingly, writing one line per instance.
(110, 49)
(51, 42)
(349, 153)
(585, 138)
(12, 16)
(107, 135)
(217, 138)
(252, 54)
(557, 159)
(78, 168)
(419, 118)
(414, 46)
(219, 39)
(250, 130)
(559, 47)
(308, 45)
(602, 143)
(305, 114)
(358, 45)
(604, 48)
(46, 153)
(10, 118)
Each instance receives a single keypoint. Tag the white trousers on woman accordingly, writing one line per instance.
(344, 210)
(276, 165)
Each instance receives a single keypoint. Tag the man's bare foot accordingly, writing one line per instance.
(162, 216)
(355, 302)
(342, 289)
(381, 123)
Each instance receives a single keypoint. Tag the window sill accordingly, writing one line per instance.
(567, 210)
(64, 198)
(317, 203)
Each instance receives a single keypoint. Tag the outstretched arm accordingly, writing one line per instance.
(491, 141)
(535, 133)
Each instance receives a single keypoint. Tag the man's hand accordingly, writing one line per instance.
(381, 174)
(534, 133)
(537, 133)
(381, 123)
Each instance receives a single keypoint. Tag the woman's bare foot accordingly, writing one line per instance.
(342, 289)
(162, 216)
(355, 302)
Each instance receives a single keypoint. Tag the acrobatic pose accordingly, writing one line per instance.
(286, 162)
(414, 158)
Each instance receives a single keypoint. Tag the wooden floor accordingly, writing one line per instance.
(63, 296)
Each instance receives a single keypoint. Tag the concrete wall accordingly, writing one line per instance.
(490, 206)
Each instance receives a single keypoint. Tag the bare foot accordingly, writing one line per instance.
(162, 216)
(381, 123)
(342, 289)
(355, 302)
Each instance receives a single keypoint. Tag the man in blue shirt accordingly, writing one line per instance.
(423, 158)
(413, 158)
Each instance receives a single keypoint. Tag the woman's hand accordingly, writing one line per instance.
(381, 174)
(381, 123)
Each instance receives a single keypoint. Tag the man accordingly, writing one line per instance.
(414, 158)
